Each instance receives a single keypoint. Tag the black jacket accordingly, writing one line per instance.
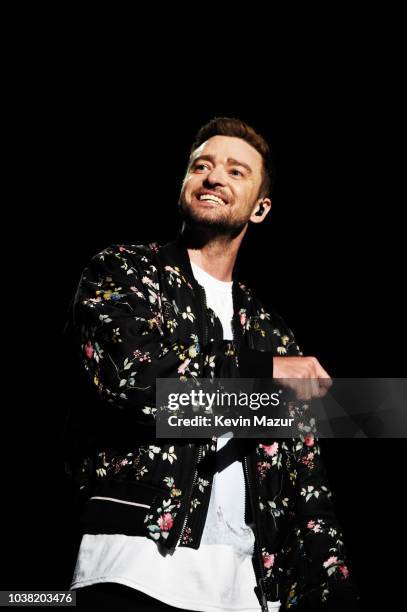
(139, 315)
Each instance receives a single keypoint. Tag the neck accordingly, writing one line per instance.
(214, 254)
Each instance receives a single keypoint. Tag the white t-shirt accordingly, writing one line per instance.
(216, 577)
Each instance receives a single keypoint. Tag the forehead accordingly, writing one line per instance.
(222, 147)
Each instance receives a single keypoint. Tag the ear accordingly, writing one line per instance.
(261, 210)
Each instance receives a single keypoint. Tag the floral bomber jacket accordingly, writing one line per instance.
(139, 314)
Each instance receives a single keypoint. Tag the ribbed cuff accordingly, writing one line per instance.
(255, 364)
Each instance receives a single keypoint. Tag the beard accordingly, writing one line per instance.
(209, 227)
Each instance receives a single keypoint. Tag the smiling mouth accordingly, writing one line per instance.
(206, 197)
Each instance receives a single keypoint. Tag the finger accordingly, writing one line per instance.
(323, 374)
(323, 389)
(316, 389)
(304, 389)
(325, 385)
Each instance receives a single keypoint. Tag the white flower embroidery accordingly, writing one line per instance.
(187, 314)
(170, 455)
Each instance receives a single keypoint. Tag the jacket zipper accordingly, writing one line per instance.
(200, 449)
(264, 605)
(204, 325)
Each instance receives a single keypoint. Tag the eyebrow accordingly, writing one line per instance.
(230, 160)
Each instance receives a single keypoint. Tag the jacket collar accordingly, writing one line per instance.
(177, 252)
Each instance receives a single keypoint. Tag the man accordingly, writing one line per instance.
(199, 525)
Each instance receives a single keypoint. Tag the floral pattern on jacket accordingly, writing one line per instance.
(139, 316)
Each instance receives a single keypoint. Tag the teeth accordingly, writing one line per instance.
(207, 196)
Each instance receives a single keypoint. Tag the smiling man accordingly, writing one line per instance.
(216, 525)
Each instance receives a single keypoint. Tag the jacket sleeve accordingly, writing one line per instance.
(321, 570)
(118, 321)
(255, 363)
(322, 576)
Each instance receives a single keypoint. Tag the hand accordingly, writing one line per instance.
(304, 375)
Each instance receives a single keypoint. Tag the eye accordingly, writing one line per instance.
(200, 166)
(236, 172)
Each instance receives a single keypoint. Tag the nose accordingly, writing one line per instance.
(216, 176)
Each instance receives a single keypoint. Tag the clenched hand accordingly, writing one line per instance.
(304, 375)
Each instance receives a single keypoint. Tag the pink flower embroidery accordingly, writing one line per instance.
(165, 522)
(120, 464)
(330, 561)
(270, 450)
(137, 292)
(89, 350)
(242, 318)
(268, 560)
(311, 524)
(309, 439)
(344, 571)
(183, 366)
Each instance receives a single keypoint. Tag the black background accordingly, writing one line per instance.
(105, 142)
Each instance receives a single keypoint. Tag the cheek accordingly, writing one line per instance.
(250, 194)
(242, 194)
(188, 185)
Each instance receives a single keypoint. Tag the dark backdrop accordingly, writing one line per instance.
(106, 147)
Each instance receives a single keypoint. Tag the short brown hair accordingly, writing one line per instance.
(229, 126)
